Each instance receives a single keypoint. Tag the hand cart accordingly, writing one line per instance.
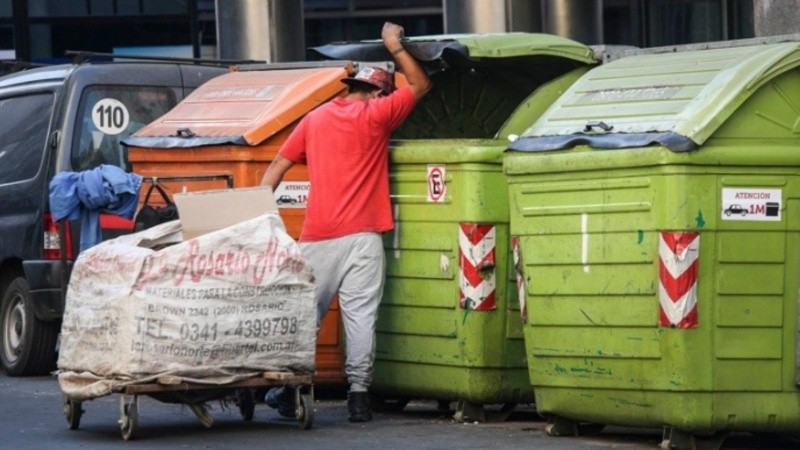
(172, 389)
(194, 395)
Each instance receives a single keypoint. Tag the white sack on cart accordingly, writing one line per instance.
(219, 308)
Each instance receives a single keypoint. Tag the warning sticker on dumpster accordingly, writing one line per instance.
(751, 204)
(292, 194)
(437, 187)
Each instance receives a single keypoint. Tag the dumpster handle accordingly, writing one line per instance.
(598, 124)
(214, 176)
(184, 132)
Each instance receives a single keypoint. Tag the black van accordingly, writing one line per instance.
(64, 118)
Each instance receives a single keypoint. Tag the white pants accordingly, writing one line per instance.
(354, 267)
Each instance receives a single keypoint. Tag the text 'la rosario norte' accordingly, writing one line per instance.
(195, 263)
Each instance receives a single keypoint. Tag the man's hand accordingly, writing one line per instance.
(417, 79)
(392, 33)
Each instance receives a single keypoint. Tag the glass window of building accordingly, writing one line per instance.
(165, 8)
(57, 8)
(685, 21)
(101, 7)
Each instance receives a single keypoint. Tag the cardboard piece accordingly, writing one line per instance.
(202, 212)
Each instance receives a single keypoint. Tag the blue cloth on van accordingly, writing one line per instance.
(86, 194)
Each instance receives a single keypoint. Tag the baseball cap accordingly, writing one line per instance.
(374, 76)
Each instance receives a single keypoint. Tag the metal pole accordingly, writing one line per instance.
(491, 16)
(580, 20)
(776, 17)
(22, 32)
(194, 29)
(268, 30)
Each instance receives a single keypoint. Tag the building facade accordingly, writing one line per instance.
(42, 31)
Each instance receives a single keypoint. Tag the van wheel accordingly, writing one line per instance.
(27, 344)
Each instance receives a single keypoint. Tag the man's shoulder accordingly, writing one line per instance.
(402, 96)
(404, 93)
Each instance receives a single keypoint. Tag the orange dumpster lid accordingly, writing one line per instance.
(242, 108)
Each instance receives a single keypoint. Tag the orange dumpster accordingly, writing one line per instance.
(232, 128)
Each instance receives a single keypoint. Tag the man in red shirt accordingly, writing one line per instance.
(345, 144)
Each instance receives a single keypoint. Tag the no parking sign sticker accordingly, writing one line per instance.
(751, 204)
(437, 188)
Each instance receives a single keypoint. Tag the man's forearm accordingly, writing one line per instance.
(416, 76)
(274, 174)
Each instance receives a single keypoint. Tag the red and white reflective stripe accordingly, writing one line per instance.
(678, 254)
(523, 310)
(476, 262)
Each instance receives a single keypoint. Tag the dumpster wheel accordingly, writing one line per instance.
(560, 426)
(674, 439)
(386, 405)
(472, 412)
(73, 411)
(500, 415)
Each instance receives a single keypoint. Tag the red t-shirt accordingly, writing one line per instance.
(345, 145)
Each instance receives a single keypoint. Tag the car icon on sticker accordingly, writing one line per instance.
(286, 200)
(735, 209)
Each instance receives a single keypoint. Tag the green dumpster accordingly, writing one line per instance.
(449, 327)
(655, 214)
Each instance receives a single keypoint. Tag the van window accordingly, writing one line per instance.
(23, 135)
(107, 115)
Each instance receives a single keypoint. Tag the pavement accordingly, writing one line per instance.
(31, 417)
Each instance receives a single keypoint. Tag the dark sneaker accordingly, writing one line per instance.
(282, 399)
(358, 406)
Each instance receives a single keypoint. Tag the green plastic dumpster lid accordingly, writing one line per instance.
(441, 51)
(478, 79)
(677, 100)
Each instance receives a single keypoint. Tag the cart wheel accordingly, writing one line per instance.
(305, 411)
(129, 416)
(246, 401)
(73, 412)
